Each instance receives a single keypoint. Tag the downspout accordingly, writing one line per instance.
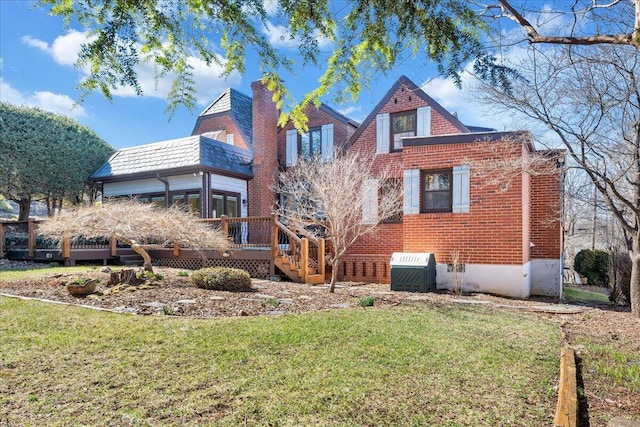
(165, 181)
(206, 194)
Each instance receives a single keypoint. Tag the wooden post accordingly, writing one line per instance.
(225, 226)
(176, 248)
(274, 243)
(32, 238)
(66, 246)
(321, 259)
(304, 259)
(113, 247)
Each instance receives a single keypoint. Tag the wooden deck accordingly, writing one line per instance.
(261, 245)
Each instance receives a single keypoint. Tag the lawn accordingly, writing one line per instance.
(575, 295)
(48, 270)
(409, 366)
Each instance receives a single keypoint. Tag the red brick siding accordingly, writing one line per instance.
(546, 229)
(265, 152)
(222, 122)
(490, 233)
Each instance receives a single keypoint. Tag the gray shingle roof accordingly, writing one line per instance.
(239, 105)
(197, 152)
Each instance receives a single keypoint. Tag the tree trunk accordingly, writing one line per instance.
(25, 207)
(334, 275)
(635, 278)
(147, 259)
(126, 276)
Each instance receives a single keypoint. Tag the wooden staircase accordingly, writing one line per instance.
(285, 264)
(301, 259)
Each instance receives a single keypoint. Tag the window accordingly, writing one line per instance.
(391, 184)
(436, 194)
(317, 143)
(224, 204)
(310, 144)
(402, 125)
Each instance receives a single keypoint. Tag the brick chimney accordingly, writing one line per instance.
(265, 151)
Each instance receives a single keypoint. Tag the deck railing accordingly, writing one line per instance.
(301, 249)
(245, 233)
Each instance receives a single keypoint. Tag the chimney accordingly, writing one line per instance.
(265, 151)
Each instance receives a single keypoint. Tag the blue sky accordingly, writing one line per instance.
(37, 54)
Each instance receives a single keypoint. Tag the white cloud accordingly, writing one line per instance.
(65, 49)
(10, 95)
(49, 101)
(58, 103)
(353, 112)
(280, 37)
(271, 7)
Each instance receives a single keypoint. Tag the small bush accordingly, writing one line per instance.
(183, 274)
(594, 265)
(222, 279)
(367, 301)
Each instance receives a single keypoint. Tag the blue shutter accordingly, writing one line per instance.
(411, 191)
(327, 142)
(461, 188)
(292, 147)
(382, 133)
(423, 122)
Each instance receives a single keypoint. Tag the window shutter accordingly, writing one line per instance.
(370, 201)
(461, 188)
(382, 133)
(292, 147)
(327, 142)
(411, 191)
(423, 122)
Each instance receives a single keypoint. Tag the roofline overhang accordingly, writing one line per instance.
(468, 138)
(168, 172)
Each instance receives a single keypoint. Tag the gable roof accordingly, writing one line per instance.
(403, 80)
(189, 154)
(338, 116)
(238, 105)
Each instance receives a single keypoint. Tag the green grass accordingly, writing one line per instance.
(411, 366)
(613, 366)
(584, 296)
(30, 272)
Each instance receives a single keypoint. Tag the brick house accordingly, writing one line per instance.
(508, 237)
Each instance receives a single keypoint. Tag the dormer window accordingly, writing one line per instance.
(310, 144)
(316, 143)
(402, 125)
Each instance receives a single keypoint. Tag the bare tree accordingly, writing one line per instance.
(589, 98)
(341, 200)
(587, 22)
(138, 224)
(498, 163)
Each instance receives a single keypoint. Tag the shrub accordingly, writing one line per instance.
(367, 301)
(222, 279)
(594, 265)
(622, 278)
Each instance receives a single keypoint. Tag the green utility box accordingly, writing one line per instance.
(413, 272)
